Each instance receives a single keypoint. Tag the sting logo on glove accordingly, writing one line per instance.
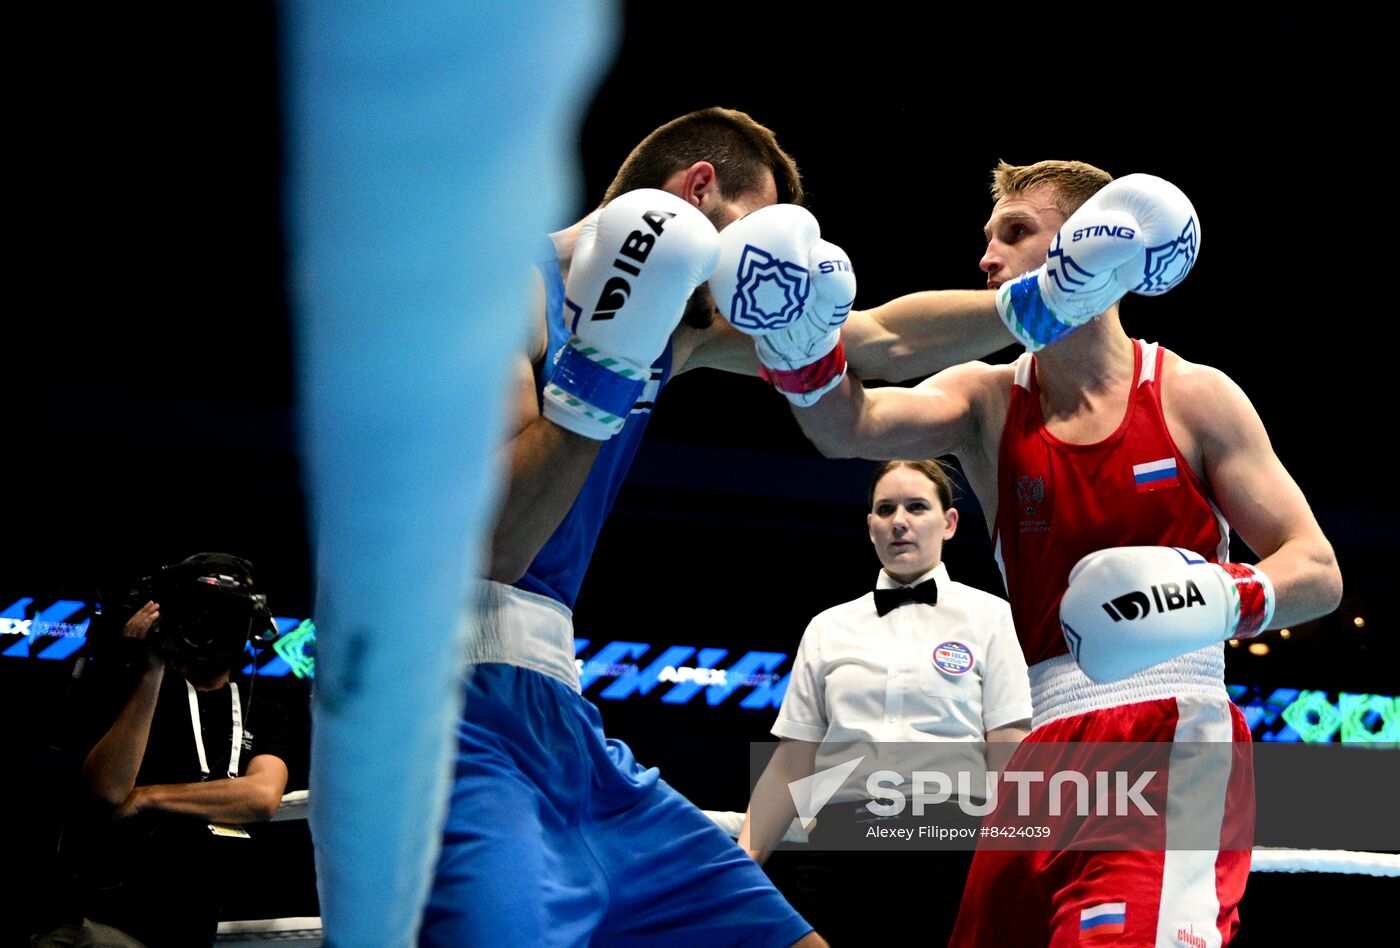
(1103, 230)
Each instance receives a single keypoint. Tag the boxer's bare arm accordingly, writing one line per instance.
(906, 338)
(922, 333)
(1256, 493)
(545, 467)
(941, 415)
(720, 346)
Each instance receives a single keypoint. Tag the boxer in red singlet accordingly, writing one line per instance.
(1108, 467)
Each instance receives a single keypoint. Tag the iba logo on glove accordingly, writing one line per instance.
(770, 293)
(637, 247)
(1167, 596)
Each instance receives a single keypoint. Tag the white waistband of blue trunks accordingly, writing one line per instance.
(1059, 687)
(520, 628)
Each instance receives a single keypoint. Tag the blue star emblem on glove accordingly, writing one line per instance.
(770, 294)
(1167, 264)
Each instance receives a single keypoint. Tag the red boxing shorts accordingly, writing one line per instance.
(1115, 879)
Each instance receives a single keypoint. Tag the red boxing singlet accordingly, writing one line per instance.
(1059, 502)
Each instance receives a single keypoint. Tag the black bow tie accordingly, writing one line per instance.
(887, 599)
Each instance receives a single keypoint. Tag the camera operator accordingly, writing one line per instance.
(181, 759)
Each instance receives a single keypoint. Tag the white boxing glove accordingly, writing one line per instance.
(635, 264)
(779, 282)
(1130, 607)
(1139, 234)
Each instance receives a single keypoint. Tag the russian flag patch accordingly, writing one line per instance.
(1106, 919)
(1155, 475)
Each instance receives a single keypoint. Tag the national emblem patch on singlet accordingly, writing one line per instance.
(1030, 495)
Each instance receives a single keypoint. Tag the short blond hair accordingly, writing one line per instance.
(1072, 182)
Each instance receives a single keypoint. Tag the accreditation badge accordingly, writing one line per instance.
(953, 658)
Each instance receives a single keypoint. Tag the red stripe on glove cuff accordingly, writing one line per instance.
(809, 377)
(1254, 601)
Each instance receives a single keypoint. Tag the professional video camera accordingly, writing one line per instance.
(208, 609)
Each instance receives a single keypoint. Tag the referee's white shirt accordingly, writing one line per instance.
(862, 677)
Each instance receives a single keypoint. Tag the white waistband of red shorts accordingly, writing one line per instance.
(1059, 688)
(525, 629)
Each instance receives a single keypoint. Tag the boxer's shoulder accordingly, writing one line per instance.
(982, 393)
(997, 377)
(988, 389)
(1183, 372)
(1199, 396)
(977, 389)
(976, 380)
(1208, 415)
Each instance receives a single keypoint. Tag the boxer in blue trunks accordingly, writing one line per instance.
(556, 835)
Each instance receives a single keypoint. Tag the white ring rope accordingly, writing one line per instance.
(1325, 860)
(306, 931)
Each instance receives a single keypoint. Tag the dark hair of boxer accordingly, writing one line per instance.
(740, 149)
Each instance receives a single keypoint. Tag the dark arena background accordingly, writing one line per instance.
(157, 406)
